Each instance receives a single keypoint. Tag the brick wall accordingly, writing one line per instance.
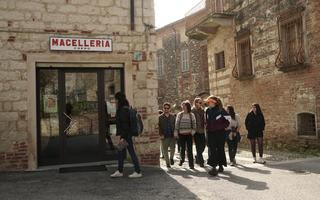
(16, 158)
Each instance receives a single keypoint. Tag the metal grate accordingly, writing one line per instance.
(291, 41)
(306, 124)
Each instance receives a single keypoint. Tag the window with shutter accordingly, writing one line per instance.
(219, 60)
(244, 63)
(160, 65)
(185, 60)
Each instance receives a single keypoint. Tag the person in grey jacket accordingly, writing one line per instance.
(166, 132)
(199, 136)
(185, 128)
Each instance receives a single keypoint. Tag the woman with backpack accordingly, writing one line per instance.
(125, 133)
(185, 128)
(233, 135)
(255, 125)
(216, 123)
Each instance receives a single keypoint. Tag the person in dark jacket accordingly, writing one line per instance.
(124, 131)
(166, 132)
(216, 123)
(199, 136)
(255, 125)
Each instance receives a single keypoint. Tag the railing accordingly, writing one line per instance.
(202, 10)
(201, 5)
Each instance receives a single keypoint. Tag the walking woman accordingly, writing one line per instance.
(184, 129)
(216, 123)
(233, 136)
(255, 125)
(124, 131)
(199, 136)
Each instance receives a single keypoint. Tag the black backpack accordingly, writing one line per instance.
(136, 124)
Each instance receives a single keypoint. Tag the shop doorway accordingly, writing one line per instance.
(76, 114)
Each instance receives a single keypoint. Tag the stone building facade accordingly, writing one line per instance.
(47, 93)
(182, 65)
(270, 56)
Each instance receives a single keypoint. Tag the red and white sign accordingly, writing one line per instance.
(80, 44)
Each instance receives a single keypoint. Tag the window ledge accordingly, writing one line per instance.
(289, 68)
(245, 77)
(309, 137)
(220, 70)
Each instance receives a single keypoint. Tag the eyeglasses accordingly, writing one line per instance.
(199, 103)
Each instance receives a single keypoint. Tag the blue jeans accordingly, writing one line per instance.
(134, 158)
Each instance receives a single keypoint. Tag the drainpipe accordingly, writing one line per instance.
(176, 62)
(132, 15)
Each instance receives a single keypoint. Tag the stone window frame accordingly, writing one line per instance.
(217, 5)
(219, 60)
(313, 115)
(160, 65)
(292, 20)
(243, 43)
(185, 60)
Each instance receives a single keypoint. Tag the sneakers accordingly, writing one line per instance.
(261, 161)
(254, 159)
(221, 169)
(135, 175)
(116, 174)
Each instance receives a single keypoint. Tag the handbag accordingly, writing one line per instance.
(122, 145)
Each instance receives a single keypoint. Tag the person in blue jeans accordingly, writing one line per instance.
(124, 131)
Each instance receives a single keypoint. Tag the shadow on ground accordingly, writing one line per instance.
(250, 184)
(306, 166)
(156, 184)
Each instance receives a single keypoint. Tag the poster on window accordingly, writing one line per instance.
(111, 108)
(50, 103)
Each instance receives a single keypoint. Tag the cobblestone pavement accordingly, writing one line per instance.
(279, 179)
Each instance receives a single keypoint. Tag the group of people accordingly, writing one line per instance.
(208, 123)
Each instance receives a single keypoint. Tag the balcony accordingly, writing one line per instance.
(206, 17)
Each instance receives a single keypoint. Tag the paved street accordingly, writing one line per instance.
(292, 180)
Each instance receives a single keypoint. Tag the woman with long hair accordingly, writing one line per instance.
(185, 127)
(216, 123)
(233, 135)
(255, 125)
(126, 142)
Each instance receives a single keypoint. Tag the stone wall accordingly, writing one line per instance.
(176, 85)
(25, 28)
(282, 95)
(220, 80)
